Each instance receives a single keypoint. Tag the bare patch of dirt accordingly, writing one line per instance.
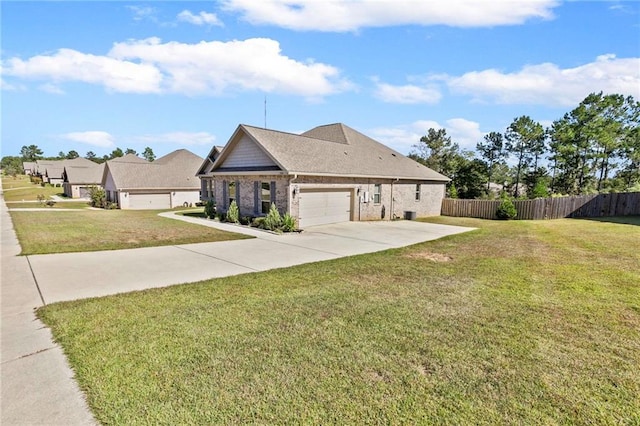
(434, 257)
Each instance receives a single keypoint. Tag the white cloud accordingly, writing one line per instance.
(51, 88)
(143, 12)
(407, 94)
(351, 15)
(203, 18)
(402, 138)
(179, 138)
(71, 65)
(215, 67)
(4, 85)
(205, 68)
(93, 138)
(547, 84)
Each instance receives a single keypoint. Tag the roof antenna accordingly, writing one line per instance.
(265, 111)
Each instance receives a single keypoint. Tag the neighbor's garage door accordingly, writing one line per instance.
(322, 207)
(83, 192)
(149, 201)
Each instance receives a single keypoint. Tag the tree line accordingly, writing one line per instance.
(13, 164)
(593, 148)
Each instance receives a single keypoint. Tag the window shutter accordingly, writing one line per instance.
(238, 193)
(225, 199)
(257, 188)
(273, 192)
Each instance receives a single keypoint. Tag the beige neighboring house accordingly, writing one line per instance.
(29, 167)
(165, 183)
(328, 174)
(50, 171)
(78, 180)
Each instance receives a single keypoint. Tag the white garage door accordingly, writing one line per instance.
(149, 201)
(322, 207)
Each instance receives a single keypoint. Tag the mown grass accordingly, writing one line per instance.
(57, 205)
(91, 230)
(515, 323)
(21, 189)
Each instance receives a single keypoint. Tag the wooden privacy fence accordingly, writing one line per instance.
(599, 205)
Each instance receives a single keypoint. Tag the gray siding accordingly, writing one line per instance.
(247, 154)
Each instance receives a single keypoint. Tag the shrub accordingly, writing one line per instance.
(210, 209)
(221, 216)
(258, 222)
(98, 197)
(36, 180)
(453, 191)
(273, 220)
(506, 210)
(539, 190)
(233, 214)
(288, 223)
(246, 220)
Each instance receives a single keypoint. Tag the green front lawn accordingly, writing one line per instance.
(91, 230)
(516, 323)
(21, 189)
(57, 205)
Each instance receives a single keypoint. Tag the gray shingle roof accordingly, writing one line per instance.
(91, 175)
(176, 171)
(54, 168)
(335, 150)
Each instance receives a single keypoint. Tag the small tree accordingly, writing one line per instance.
(233, 214)
(273, 220)
(210, 209)
(98, 197)
(506, 209)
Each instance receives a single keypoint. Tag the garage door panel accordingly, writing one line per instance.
(149, 201)
(323, 207)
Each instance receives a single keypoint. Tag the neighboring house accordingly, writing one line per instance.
(50, 171)
(329, 174)
(29, 167)
(168, 182)
(207, 189)
(78, 180)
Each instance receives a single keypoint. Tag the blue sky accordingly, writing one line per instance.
(92, 76)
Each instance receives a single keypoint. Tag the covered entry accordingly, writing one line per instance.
(149, 201)
(319, 207)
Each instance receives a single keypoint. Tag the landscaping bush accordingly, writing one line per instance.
(258, 222)
(210, 209)
(98, 197)
(506, 210)
(246, 220)
(233, 214)
(273, 220)
(288, 223)
(36, 180)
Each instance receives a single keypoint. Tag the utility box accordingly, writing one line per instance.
(409, 215)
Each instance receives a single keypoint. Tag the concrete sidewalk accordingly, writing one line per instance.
(36, 383)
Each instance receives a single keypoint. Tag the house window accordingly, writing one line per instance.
(377, 193)
(265, 197)
(231, 191)
(417, 192)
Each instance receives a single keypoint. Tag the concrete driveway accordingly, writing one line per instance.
(71, 276)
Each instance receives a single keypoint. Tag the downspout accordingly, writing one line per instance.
(295, 176)
(393, 213)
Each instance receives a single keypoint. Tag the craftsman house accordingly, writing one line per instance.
(328, 174)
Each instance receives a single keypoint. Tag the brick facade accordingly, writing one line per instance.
(396, 197)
